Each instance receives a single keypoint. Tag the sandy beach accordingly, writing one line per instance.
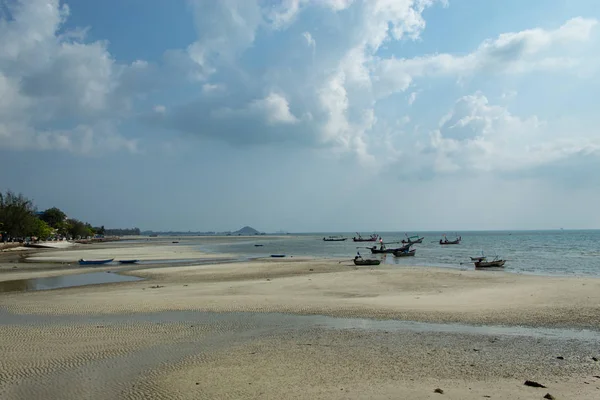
(293, 328)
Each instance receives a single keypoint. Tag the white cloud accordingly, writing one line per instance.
(47, 78)
(309, 39)
(212, 88)
(512, 53)
(160, 109)
(478, 136)
(274, 108)
(412, 98)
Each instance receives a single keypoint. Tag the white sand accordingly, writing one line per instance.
(157, 252)
(426, 294)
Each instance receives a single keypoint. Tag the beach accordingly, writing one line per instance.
(213, 326)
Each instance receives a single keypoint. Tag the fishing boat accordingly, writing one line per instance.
(94, 262)
(406, 253)
(384, 250)
(482, 262)
(128, 261)
(372, 238)
(362, 261)
(334, 239)
(445, 240)
(277, 255)
(413, 239)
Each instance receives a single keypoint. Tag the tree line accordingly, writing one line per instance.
(19, 219)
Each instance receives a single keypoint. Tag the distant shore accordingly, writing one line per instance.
(232, 330)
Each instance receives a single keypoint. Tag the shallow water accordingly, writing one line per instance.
(289, 321)
(566, 253)
(57, 282)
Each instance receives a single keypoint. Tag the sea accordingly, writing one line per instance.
(559, 252)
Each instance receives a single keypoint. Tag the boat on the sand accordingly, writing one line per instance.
(94, 262)
(277, 255)
(128, 261)
(482, 262)
(372, 238)
(406, 253)
(365, 261)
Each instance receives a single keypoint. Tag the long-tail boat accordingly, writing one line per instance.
(372, 238)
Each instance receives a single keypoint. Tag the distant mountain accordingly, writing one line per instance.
(246, 231)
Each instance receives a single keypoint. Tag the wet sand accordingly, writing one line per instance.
(233, 330)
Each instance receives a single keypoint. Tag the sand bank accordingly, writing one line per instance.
(327, 287)
(122, 251)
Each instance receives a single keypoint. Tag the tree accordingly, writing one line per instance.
(17, 215)
(78, 229)
(98, 230)
(54, 217)
(42, 230)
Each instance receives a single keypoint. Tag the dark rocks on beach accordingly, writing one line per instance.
(438, 390)
(156, 287)
(593, 358)
(560, 358)
(534, 384)
(549, 397)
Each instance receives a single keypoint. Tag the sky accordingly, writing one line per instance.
(304, 115)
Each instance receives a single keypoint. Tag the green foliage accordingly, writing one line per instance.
(54, 217)
(99, 230)
(78, 229)
(122, 232)
(42, 230)
(17, 215)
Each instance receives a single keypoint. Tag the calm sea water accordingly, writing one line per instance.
(533, 252)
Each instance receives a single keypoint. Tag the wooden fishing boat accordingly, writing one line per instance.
(128, 261)
(334, 239)
(372, 238)
(362, 261)
(408, 253)
(412, 240)
(94, 262)
(445, 241)
(384, 250)
(482, 262)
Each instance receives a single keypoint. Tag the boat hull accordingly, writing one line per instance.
(410, 253)
(419, 240)
(128, 261)
(366, 262)
(490, 264)
(94, 262)
(375, 250)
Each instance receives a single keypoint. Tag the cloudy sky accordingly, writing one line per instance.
(304, 115)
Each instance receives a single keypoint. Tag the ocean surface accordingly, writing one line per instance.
(561, 252)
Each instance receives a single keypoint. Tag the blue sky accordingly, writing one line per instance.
(304, 115)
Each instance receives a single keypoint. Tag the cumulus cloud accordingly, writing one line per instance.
(255, 75)
(510, 53)
(47, 78)
(478, 136)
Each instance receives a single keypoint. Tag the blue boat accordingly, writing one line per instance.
(94, 262)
